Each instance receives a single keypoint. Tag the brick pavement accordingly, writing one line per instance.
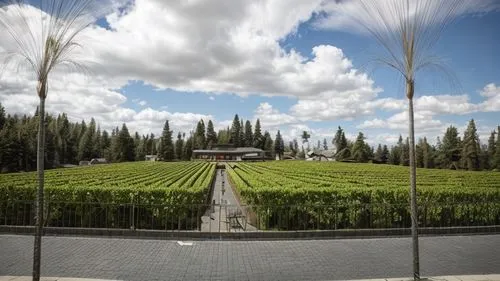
(129, 259)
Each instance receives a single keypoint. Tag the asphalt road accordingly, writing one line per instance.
(134, 259)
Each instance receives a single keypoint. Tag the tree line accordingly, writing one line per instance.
(70, 142)
(450, 152)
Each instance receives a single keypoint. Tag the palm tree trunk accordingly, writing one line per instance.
(37, 250)
(413, 182)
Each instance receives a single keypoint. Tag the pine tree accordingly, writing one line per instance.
(491, 150)
(2, 116)
(235, 131)
(279, 145)
(471, 150)
(85, 147)
(199, 141)
(405, 153)
(496, 158)
(340, 142)
(179, 145)
(450, 148)
(257, 136)
(378, 153)
(211, 135)
(419, 153)
(359, 151)
(188, 148)
(167, 145)
(126, 148)
(248, 134)
(268, 143)
(427, 154)
(325, 144)
(385, 155)
(242, 133)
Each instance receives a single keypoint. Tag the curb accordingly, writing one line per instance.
(257, 235)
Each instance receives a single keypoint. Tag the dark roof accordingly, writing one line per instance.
(238, 150)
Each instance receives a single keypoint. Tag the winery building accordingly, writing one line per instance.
(229, 153)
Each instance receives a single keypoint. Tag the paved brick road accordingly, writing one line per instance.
(131, 259)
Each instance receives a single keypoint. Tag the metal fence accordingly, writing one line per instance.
(226, 218)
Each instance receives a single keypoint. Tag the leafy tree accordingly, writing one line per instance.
(359, 150)
(167, 145)
(211, 135)
(279, 146)
(305, 138)
(471, 150)
(179, 145)
(248, 134)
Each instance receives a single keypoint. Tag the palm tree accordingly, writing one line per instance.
(407, 30)
(43, 41)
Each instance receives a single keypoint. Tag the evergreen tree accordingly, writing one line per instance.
(126, 148)
(268, 143)
(341, 145)
(471, 150)
(428, 157)
(491, 150)
(248, 134)
(242, 133)
(179, 145)
(496, 158)
(86, 145)
(167, 145)
(325, 144)
(199, 136)
(419, 153)
(378, 153)
(450, 149)
(96, 148)
(405, 153)
(188, 148)
(385, 155)
(279, 145)
(359, 151)
(257, 136)
(235, 132)
(211, 135)
(2, 116)
(106, 145)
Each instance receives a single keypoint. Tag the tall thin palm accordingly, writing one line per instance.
(407, 30)
(43, 39)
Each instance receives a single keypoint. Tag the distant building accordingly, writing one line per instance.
(151, 158)
(229, 153)
(96, 161)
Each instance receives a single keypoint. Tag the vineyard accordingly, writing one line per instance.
(140, 187)
(318, 195)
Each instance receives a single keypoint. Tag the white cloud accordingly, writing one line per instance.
(270, 117)
(211, 98)
(338, 15)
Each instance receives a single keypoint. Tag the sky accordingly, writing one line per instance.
(297, 65)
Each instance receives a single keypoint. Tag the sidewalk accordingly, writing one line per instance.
(490, 277)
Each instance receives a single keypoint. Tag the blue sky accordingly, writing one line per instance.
(296, 66)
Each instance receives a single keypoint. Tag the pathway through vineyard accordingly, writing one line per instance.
(225, 205)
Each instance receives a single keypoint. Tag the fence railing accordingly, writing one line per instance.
(249, 218)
